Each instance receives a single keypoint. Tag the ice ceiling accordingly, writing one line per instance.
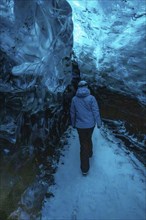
(109, 40)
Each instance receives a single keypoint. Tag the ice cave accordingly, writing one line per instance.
(46, 47)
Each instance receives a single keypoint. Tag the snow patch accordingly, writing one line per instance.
(113, 189)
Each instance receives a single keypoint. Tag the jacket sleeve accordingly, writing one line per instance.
(95, 111)
(72, 113)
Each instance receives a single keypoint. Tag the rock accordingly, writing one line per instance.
(32, 198)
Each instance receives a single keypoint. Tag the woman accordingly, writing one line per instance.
(85, 115)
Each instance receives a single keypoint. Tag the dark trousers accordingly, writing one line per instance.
(86, 147)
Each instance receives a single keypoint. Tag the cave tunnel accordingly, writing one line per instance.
(46, 48)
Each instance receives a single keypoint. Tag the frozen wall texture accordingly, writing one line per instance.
(36, 39)
(110, 43)
(36, 44)
(37, 35)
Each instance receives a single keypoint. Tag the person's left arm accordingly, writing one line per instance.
(72, 113)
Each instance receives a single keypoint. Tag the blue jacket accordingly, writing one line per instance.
(84, 110)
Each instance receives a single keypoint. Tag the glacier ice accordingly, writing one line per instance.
(110, 43)
(38, 36)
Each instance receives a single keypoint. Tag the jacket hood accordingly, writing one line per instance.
(82, 92)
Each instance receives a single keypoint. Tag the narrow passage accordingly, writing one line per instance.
(113, 190)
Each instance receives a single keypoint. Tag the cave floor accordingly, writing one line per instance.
(113, 189)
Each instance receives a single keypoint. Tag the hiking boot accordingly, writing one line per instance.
(84, 173)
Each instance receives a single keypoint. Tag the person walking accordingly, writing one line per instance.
(84, 112)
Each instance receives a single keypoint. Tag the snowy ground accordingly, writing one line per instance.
(114, 188)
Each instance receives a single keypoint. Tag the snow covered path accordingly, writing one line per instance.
(113, 190)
